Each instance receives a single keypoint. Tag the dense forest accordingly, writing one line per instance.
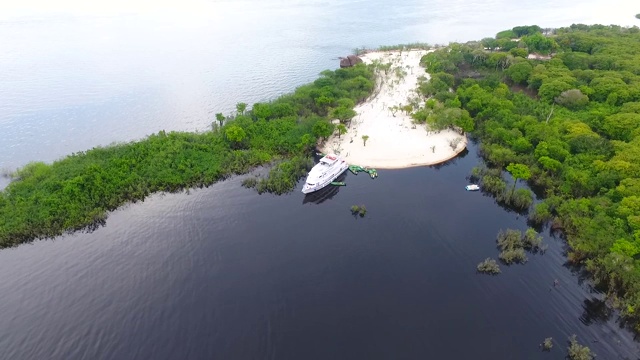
(561, 109)
(45, 200)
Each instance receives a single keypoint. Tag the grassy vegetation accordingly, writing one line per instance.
(46, 200)
(571, 122)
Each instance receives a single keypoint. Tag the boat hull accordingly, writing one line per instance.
(327, 180)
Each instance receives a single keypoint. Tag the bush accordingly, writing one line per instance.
(572, 99)
(358, 210)
(489, 266)
(577, 351)
(541, 214)
(283, 177)
(531, 240)
(520, 199)
(493, 184)
(513, 256)
(510, 239)
(547, 344)
(250, 182)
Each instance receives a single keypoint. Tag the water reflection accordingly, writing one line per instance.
(595, 311)
(462, 154)
(327, 193)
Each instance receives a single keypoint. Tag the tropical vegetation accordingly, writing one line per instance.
(78, 191)
(562, 108)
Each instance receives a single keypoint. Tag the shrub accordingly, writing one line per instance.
(513, 256)
(250, 182)
(541, 213)
(572, 99)
(360, 210)
(493, 184)
(489, 266)
(577, 351)
(531, 240)
(520, 199)
(510, 239)
(547, 344)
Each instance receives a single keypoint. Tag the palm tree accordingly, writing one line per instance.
(341, 130)
(364, 139)
(241, 107)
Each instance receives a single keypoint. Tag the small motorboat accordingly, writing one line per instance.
(472, 187)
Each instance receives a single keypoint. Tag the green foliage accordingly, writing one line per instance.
(343, 113)
(513, 243)
(577, 351)
(519, 52)
(547, 344)
(573, 99)
(506, 34)
(519, 172)
(358, 210)
(341, 130)
(583, 155)
(322, 129)
(526, 30)
(284, 176)
(220, 118)
(539, 43)
(511, 256)
(364, 139)
(241, 108)
(519, 72)
(46, 200)
(489, 266)
(235, 134)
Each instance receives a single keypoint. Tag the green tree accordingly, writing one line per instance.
(220, 118)
(343, 114)
(341, 130)
(364, 139)
(519, 172)
(322, 129)
(519, 72)
(572, 99)
(241, 107)
(622, 126)
(236, 134)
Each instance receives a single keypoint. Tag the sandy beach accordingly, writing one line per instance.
(394, 141)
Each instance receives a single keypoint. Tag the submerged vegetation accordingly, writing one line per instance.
(489, 266)
(45, 200)
(577, 351)
(358, 210)
(565, 103)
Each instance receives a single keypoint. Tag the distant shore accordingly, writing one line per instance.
(394, 141)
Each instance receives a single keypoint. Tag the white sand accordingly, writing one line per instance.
(394, 142)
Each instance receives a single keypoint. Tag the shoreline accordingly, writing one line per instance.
(394, 141)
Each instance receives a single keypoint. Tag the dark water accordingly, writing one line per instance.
(224, 273)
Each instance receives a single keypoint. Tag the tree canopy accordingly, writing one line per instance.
(573, 132)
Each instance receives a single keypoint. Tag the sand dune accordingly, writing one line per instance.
(394, 141)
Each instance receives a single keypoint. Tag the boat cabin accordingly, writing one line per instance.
(328, 160)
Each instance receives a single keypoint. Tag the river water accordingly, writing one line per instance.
(224, 273)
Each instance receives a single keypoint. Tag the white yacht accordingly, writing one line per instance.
(472, 187)
(324, 172)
